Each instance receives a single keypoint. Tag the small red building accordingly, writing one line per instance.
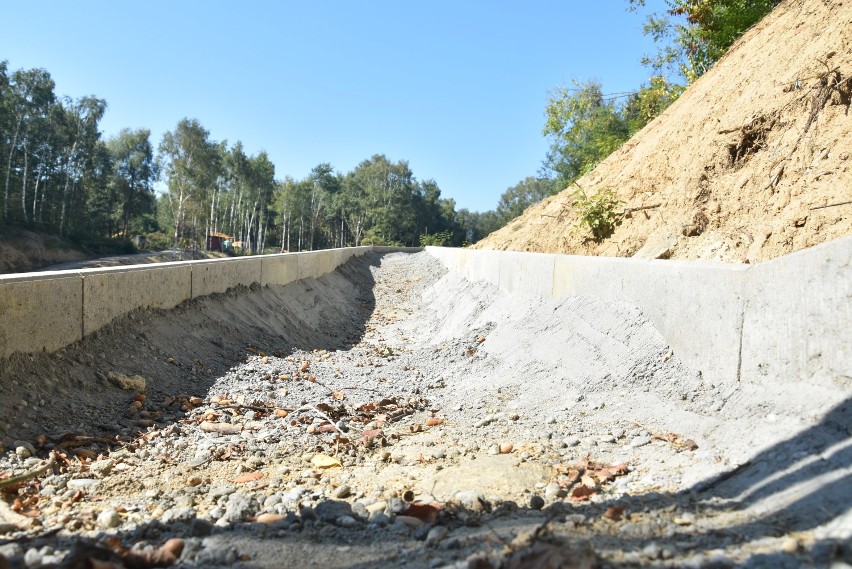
(220, 242)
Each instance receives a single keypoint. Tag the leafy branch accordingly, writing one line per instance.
(598, 212)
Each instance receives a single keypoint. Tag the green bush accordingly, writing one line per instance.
(441, 239)
(158, 241)
(598, 212)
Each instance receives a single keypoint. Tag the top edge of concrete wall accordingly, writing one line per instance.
(839, 245)
(392, 249)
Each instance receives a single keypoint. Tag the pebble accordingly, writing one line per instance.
(215, 551)
(341, 491)
(552, 491)
(379, 518)
(409, 521)
(360, 510)
(506, 448)
(471, 500)
(346, 522)
(109, 519)
(571, 441)
(436, 534)
(183, 514)
(332, 510)
(83, 484)
(395, 505)
(377, 507)
(652, 551)
(536, 502)
(640, 441)
(239, 506)
(790, 545)
(33, 558)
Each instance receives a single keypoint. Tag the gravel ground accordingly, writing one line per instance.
(391, 414)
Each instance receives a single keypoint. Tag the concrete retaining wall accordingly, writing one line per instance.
(41, 312)
(50, 310)
(112, 292)
(790, 317)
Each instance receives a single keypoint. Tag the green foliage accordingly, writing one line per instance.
(649, 102)
(694, 34)
(442, 239)
(158, 241)
(584, 127)
(515, 200)
(598, 212)
(476, 225)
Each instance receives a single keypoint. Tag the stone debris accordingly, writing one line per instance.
(427, 429)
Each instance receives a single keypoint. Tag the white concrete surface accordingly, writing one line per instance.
(789, 317)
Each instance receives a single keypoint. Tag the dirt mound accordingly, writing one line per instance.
(752, 162)
(22, 250)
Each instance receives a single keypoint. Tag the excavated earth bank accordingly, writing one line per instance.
(391, 414)
(752, 162)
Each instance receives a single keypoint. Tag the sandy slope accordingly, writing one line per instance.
(739, 163)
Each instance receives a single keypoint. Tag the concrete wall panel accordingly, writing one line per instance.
(219, 275)
(113, 292)
(798, 317)
(481, 266)
(697, 307)
(279, 269)
(791, 316)
(526, 274)
(314, 264)
(40, 312)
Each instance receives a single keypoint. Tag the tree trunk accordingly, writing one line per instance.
(35, 192)
(289, 229)
(9, 168)
(24, 187)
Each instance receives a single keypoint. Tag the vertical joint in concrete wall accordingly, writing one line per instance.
(82, 307)
(740, 331)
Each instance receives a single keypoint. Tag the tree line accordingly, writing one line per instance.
(57, 173)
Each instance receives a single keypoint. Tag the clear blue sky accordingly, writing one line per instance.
(456, 88)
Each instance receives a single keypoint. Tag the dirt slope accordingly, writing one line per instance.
(22, 250)
(739, 163)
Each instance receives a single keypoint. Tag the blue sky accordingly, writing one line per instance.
(456, 88)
